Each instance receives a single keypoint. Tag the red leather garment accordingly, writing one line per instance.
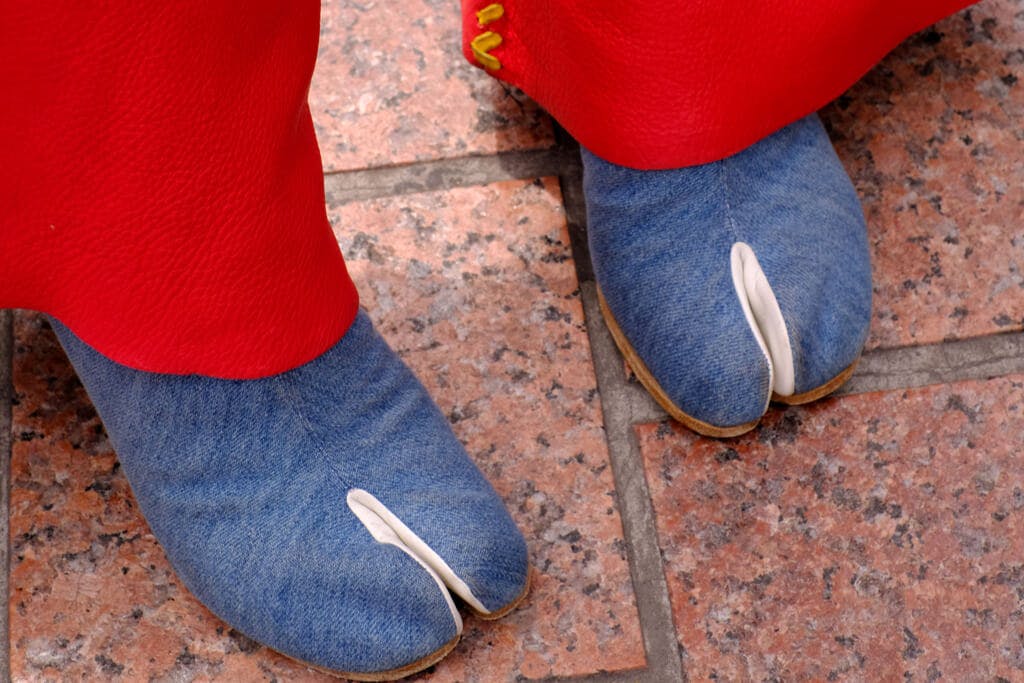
(669, 83)
(161, 189)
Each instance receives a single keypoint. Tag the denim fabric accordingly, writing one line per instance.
(661, 241)
(244, 483)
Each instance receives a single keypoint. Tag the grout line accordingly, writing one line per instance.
(6, 396)
(637, 512)
(442, 174)
(571, 181)
(618, 404)
(908, 367)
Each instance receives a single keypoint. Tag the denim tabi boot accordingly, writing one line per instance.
(732, 283)
(328, 512)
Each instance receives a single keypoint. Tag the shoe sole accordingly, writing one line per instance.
(674, 411)
(424, 662)
(407, 670)
(498, 614)
(820, 392)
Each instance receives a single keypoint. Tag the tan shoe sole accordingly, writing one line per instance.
(820, 392)
(652, 386)
(394, 674)
(675, 412)
(499, 613)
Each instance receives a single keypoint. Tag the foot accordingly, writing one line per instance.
(328, 512)
(731, 283)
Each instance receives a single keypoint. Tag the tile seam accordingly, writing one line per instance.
(618, 403)
(636, 510)
(911, 367)
(344, 187)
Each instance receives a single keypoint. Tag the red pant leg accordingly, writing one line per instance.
(671, 83)
(161, 189)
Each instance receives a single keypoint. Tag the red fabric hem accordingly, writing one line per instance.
(161, 189)
(667, 84)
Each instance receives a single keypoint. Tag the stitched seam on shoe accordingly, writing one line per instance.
(348, 485)
(724, 176)
(734, 227)
(292, 395)
(285, 387)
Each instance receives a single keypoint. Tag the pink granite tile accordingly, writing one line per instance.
(476, 288)
(391, 87)
(934, 138)
(873, 537)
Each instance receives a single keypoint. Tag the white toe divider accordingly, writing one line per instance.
(764, 317)
(386, 527)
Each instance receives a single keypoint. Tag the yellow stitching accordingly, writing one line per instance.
(482, 44)
(490, 13)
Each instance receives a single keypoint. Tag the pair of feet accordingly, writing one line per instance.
(330, 512)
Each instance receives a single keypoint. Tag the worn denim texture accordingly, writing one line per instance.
(244, 483)
(660, 243)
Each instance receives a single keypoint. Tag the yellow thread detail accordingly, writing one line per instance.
(484, 43)
(490, 13)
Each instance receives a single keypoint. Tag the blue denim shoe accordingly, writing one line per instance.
(328, 512)
(731, 283)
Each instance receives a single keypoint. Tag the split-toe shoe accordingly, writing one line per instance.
(328, 512)
(733, 283)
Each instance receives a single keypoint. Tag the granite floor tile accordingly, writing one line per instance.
(391, 87)
(874, 537)
(934, 139)
(477, 290)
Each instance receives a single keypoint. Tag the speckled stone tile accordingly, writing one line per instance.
(391, 87)
(869, 538)
(934, 139)
(477, 290)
